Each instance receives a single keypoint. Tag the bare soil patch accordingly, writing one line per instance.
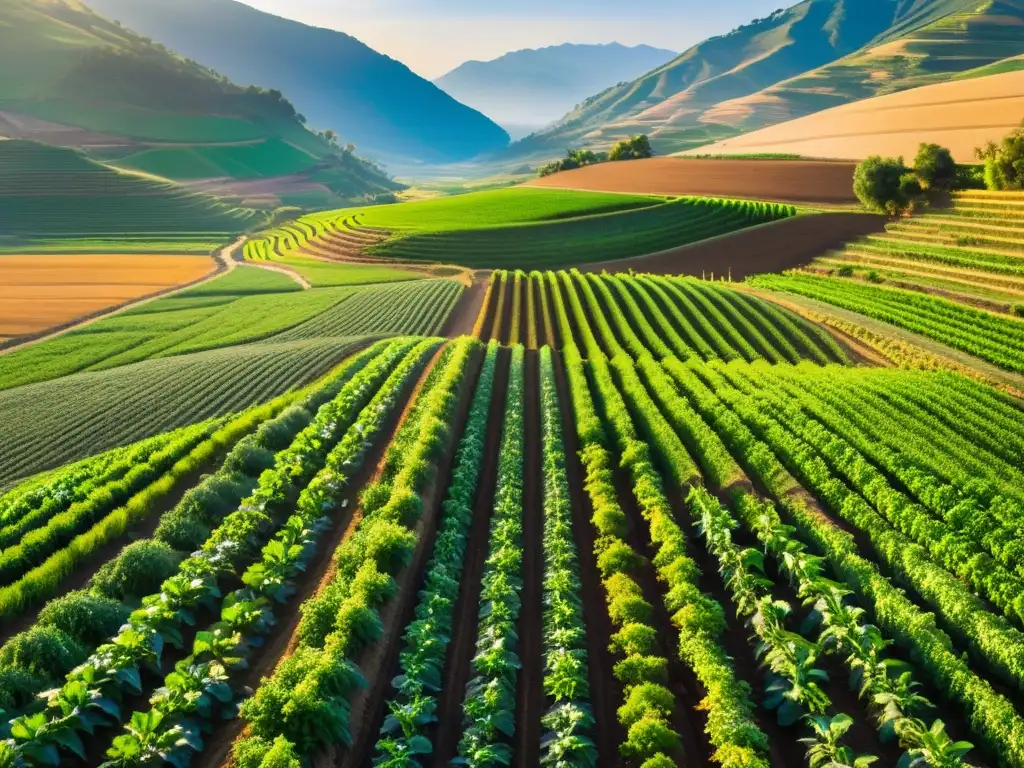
(791, 181)
(772, 247)
(463, 316)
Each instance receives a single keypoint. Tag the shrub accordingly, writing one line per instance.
(659, 761)
(182, 531)
(1018, 310)
(86, 617)
(277, 434)
(633, 148)
(43, 651)
(874, 277)
(644, 699)
(249, 458)
(846, 271)
(635, 639)
(618, 557)
(18, 688)
(1004, 162)
(649, 735)
(935, 167)
(879, 184)
(642, 669)
(139, 570)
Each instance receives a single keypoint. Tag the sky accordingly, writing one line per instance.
(433, 37)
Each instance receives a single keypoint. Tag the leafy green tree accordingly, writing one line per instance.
(633, 148)
(1004, 162)
(935, 167)
(886, 185)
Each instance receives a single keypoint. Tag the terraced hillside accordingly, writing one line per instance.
(55, 199)
(953, 275)
(612, 541)
(532, 227)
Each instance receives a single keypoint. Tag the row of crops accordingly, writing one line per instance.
(599, 539)
(685, 317)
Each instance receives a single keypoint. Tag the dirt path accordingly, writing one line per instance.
(462, 319)
(448, 729)
(225, 262)
(530, 698)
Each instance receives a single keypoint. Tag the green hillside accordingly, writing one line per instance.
(815, 55)
(55, 194)
(73, 78)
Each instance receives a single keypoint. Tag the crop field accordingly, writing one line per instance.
(538, 229)
(40, 292)
(955, 275)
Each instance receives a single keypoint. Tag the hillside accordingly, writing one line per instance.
(61, 195)
(526, 90)
(812, 56)
(336, 81)
(961, 115)
(72, 78)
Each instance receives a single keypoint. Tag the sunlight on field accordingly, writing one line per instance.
(40, 292)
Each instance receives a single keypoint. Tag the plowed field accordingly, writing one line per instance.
(790, 181)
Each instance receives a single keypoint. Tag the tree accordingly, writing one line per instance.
(886, 185)
(633, 148)
(1004, 162)
(935, 167)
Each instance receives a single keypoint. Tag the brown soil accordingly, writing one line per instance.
(446, 732)
(463, 316)
(790, 181)
(280, 642)
(772, 247)
(605, 690)
(530, 690)
(503, 332)
(554, 340)
(379, 662)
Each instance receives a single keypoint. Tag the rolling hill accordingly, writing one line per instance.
(812, 56)
(72, 78)
(336, 81)
(962, 114)
(526, 90)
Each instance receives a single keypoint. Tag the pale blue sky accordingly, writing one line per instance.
(434, 36)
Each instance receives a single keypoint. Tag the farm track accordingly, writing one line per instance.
(530, 694)
(280, 643)
(379, 662)
(462, 319)
(605, 689)
(446, 732)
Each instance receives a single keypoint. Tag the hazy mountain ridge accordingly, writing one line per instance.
(336, 81)
(536, 86)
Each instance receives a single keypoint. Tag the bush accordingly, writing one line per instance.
(633, 148)
(645, 699)
(642, 669)
(18, 688)
(880, 184)
(1018, 310)
(249, 458)
(935, 167)
(182, 531)
(45, 652)
(278, 433)
(138, 571)
(86, 617)
(650, 735)
(1004, 162)
(635, 639)
(846, 271)
(874, 277)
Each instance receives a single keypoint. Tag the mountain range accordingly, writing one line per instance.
(814, 55)
(528, 89)
(334, 80)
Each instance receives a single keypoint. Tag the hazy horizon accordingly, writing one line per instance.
(432, 40)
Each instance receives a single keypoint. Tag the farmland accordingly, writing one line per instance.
(531, 228)
(40, 292)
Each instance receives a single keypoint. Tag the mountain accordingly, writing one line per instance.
(814, 55)
(534, 87)
(69, 77)
(336, 81)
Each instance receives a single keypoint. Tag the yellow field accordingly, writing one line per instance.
(960, 115)
(40, 292)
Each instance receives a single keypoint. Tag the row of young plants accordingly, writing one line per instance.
(991, 716)
(963, 515)
(956, 552)
(499, 305)
(92, 693)
(538, 279)
(636, 642)
(991, 635)
(517, 307)
(644, 303)
(185, 707)
(992, 519)
(478, 327)
(34, 502)
(742, 336)
(532, 326)
(412, 708)
(490, 699)
(569, 721)
(713, 332)
(634, 345)
(742, 310)
(304, 706)
(671, 309)
(35, 545)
